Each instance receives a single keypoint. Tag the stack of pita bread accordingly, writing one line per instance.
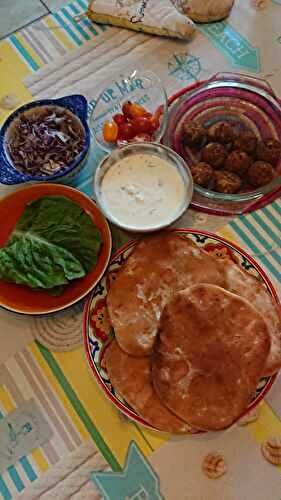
(193, 335)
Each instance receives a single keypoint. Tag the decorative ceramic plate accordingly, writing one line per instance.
(21, 299)
(98, 333)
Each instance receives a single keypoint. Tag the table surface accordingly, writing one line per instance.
(76, 400)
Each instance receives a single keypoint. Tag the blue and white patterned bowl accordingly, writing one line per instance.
(78, 105)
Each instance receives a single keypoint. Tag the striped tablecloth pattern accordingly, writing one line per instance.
(61, 383)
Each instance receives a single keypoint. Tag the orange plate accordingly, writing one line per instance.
(20, 298)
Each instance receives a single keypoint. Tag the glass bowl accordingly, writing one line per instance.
(78, 105)
(141, 87)
(245, 101)
(149, 149)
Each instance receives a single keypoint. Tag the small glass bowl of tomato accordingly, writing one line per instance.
(131, 108)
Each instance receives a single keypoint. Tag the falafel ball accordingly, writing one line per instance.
(227, 182)
(246, 141)
(269, 151)
(202, 173)
(194, 134)
(238, 162)
(214, 154)
(260, 173)
(223, 133)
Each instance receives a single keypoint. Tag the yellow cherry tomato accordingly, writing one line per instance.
(110, 131)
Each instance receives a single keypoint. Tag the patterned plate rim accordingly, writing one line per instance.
(87, 308)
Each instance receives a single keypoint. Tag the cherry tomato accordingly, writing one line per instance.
(110, 131)
(126, 109)
(148, 114)
(155, 123)
(159, 112)
(119, 118)
(142, 125)
(137, 110)
(126, 131)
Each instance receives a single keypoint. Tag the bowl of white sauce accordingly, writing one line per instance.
(143, 187)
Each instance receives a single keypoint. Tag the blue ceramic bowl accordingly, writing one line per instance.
(78, 105)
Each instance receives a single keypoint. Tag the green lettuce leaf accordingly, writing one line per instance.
(53, 243)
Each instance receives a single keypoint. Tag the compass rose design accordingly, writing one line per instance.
(185, 67)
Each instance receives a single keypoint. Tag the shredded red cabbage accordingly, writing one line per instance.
(44, 140)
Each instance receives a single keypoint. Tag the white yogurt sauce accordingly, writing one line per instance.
(142, 191)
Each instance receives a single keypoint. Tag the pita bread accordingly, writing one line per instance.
(158, 267)
(209, 357)
(205, 11)
(153, 16)
(131, 377)
(247, 286)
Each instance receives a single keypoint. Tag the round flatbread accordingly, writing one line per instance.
(209, 357)
(205, 11)
(158, 267)
(131, 377)
(245, 285)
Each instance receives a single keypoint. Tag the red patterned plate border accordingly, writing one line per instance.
(266, 382)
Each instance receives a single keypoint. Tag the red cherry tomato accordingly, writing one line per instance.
(137, 110)
(143, 125)
(159, 112)
(126, 131)
(110, 131)
(119, 118)
(126, 109)
(155, 123)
